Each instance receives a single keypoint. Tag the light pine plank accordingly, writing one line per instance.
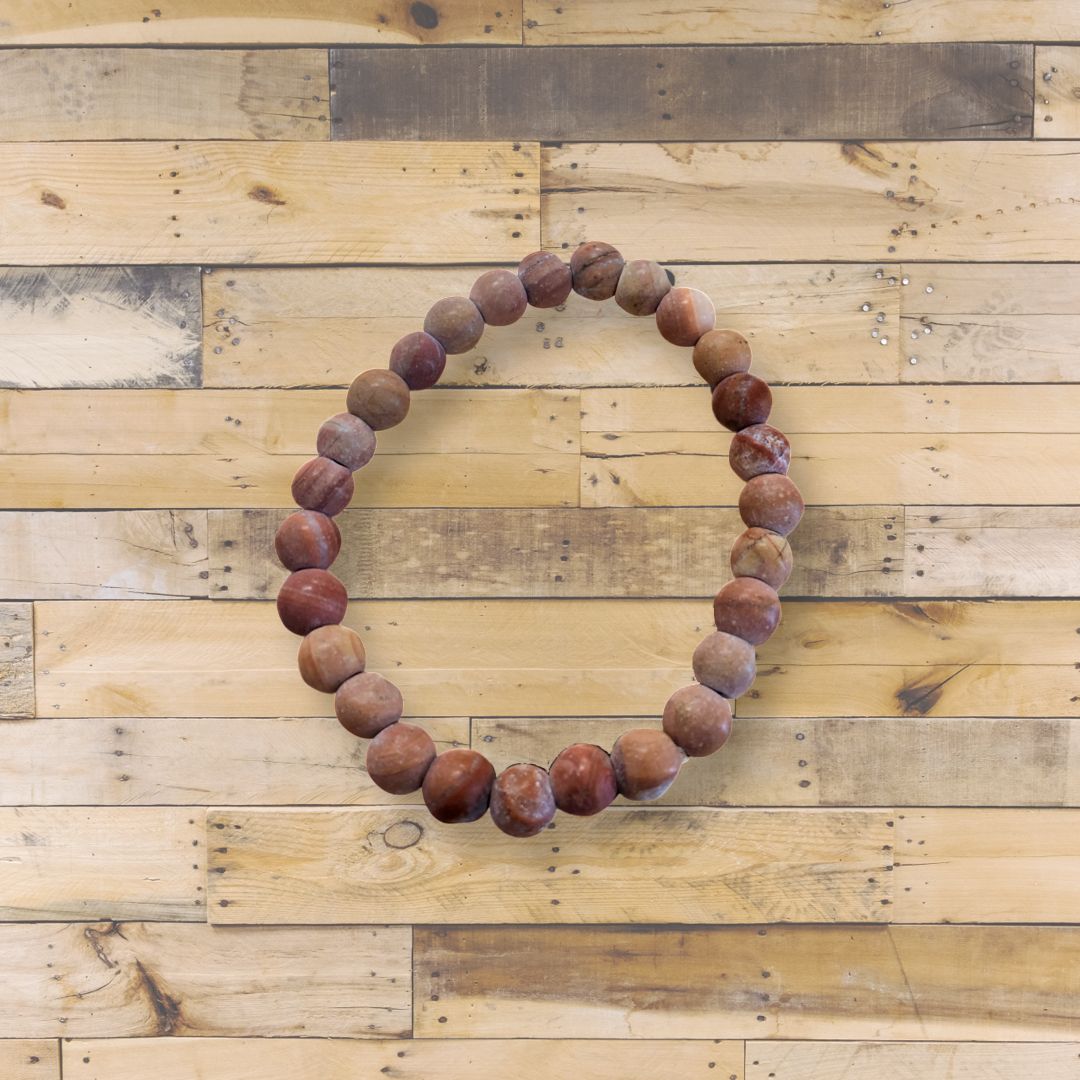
(273, 202)
(56, 94)
(16, 661)
(38, 1059)
(123, 980)
(1057, 92)
(79, 864)
(703, 866)
(993, 288)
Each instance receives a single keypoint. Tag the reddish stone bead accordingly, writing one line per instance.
(329, 655)
(307, 539)
(546, 278)
(458, 785)
(741, 400)
(419, 359)
(747, 608)
(346, 439)
(596, 268)
(522, 803)
(759, 553)
(725, 663)
(721, 353)
(311, 598)
(771, 501)
(400, 757)
(367, 703)
(646, 762)
(380, 398)
(455, 322)
(758, 449)
(642, 285)
(583, 780)
(697, 720)
(500, 297)
(684, 316)
(323, 485)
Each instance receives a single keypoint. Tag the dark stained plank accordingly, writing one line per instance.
(909, 91)
(16, 661)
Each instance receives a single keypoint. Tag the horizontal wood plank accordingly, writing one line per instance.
(16, 661)
(338, 866)
(1057, 92)
(38, 1059)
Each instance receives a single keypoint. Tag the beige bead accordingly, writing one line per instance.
(329, 655)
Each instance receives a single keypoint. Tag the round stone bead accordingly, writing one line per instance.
(642, 285)
(367, 703)
(346, 439)
(400, 757)
(759, 553)
(771, 501)
(697, 720)
(306, 540)
(546, 278)
(741, 400)
(725, 663)
(322, 485)
(458, 785)
(418, 359)
(747, 608)
(646, 762)
(380, 398)
(721, 353)
(758, 449)
(311, 598)
(500, 296)
(596, 268)
(455, 323)
(329, 655)
(684, 316)
(522, 802)
(583, 780)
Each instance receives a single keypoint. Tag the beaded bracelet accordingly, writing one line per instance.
(460, 785)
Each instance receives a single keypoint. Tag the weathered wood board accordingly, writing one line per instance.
(37, 1059)
(16, 661)
(1057, 92)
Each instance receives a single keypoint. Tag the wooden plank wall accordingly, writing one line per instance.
(212, 218)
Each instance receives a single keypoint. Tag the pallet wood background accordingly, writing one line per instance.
(212, 218)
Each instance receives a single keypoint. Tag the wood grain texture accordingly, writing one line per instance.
(765, 201)
(117, 980)
(32, 1059)
(16, 661)
(273, 202)
(78, 864)
(100, 327)
(56, 94)
(910, 91)
(703, 866)
(1057, 92)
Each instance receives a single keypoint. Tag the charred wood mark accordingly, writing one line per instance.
(166, 1009)
(50, 198)
(261, 193)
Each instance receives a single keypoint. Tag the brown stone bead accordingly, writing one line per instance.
(771, 501)
(642, 285)
(500, 297)
(455, 323)
(329, 655)
(306, 540)
(684, 316)
(759, 553)
(697, 720)
(741, 401)
(380, 398)
(646, 762)
(583, 780)
(721, 353)
(419, 359)
(546, 278)
(725, 663)
(522, 803)
(747, 608)
(758, 449)
(458, 785)
(323, 485)
(400, 757)
(346, 439)
(367, 703)
(311, 598)
(596, 268)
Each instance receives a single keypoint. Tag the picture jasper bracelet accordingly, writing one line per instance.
(460, 785)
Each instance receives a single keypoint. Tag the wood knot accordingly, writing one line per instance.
(261, 193)
(50, 198)
(403, 834)
(424, 15)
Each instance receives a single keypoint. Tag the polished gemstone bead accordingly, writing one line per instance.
(646, 762)
(522, 803)
(311, 598)
(758, 449)
(455, 322)
(596, 268)
(380, 398)
(307, 539)
(458, 785)
(759, 553)
(697, 720)
(742, 400)
(346, 439)
(724, 663)
(500, 297)
(322, 485)
(721, 353)
(367, 703)
(400, 757)
(547, 279)
(771, 501)
(684, 316)
(583, 780)
(419, 359)
(642, 285)
(747, 608)
(329, 655)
